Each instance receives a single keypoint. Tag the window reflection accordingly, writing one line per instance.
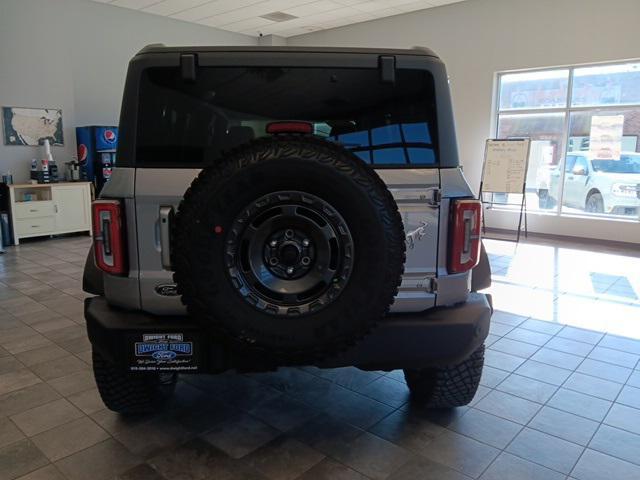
(393, 144)
(606, 85)
(533, 90)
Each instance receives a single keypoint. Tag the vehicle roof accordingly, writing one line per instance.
(160, 48)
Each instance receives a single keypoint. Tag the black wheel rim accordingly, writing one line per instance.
(289, 253)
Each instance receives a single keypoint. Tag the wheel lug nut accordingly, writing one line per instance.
(290, 270)
(306, 260)
(305, 242)
(288, 233)
(273, 243)
(273, 261)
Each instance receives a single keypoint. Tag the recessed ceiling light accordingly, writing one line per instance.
(278, 16)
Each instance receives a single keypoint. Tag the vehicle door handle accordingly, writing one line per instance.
(166, 218)
(428, 196)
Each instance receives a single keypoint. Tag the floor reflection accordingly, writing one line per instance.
(583, 287)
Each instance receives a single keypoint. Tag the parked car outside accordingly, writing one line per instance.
(600, 186)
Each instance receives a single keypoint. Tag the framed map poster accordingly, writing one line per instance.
(31, 126)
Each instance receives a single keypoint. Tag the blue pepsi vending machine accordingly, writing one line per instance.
(97, 153)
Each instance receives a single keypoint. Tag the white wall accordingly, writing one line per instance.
(73, 54)
(477, 38)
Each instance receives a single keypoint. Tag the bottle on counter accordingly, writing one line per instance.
(34, 171)
(45, 176)
(52, 166)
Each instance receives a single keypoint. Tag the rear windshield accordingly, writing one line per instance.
(192, 124)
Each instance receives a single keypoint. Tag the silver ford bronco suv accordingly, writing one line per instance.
(286, 206)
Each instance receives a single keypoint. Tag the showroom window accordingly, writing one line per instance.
(584, 124)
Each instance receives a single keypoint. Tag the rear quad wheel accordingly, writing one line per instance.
(131, 393)
(291, 246)
(446, 387)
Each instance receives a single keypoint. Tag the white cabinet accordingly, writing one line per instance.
(72, 207)
(50, 209)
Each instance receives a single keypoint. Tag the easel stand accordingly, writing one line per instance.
(504, 171)
(522, 218)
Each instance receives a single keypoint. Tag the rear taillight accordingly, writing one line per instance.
(108, 237)
(464, 235)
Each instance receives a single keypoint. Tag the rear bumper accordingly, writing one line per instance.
(139, 341)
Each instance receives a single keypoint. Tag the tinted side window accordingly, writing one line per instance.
(581, 163)
(183, 124)
(569, 163)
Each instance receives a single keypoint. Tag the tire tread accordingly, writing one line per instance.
(447, 387)
(128, 393)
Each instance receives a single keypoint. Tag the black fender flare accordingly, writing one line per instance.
(481, 273)
(92, 280)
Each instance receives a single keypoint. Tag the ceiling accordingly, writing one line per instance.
(285, 18)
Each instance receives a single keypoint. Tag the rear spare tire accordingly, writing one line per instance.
(291, 245)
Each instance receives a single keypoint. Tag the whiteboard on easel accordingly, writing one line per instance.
(505, 165)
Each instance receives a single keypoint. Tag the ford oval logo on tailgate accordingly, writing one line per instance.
(164, 355)
(167, 289)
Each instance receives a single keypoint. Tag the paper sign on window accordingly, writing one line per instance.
(605, 139)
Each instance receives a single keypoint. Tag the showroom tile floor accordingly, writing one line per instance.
(560, 396)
